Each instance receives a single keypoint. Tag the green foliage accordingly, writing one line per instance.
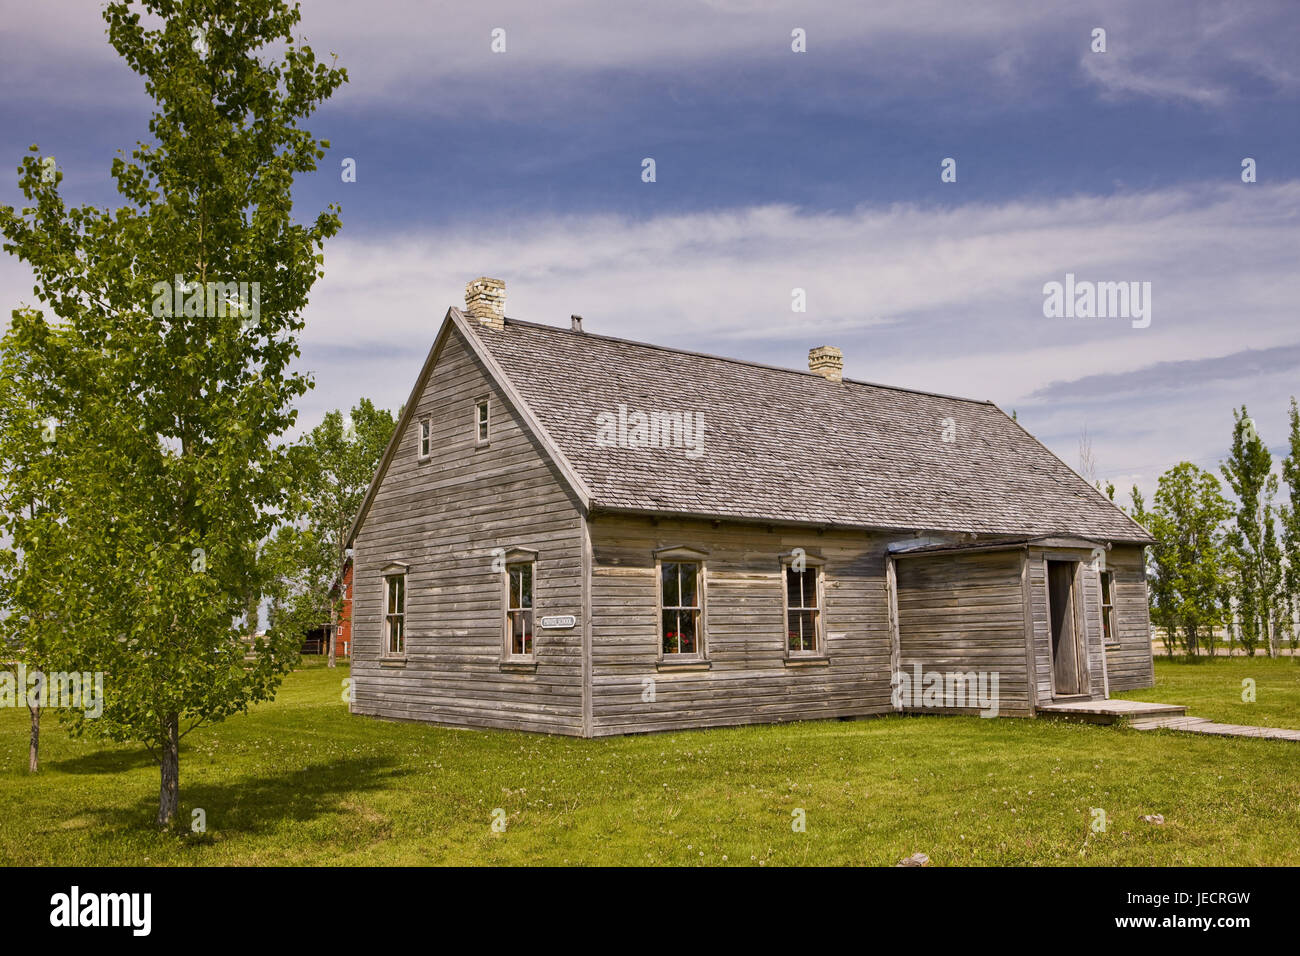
(1254, 554)
(1187, 557)
(170, 445)
(1290, 518)
(333, 466)
(33, 500)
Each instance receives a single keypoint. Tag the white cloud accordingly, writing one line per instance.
(947, 299)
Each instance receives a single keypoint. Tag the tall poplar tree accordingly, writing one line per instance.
(1255, 555)
(1291, 526)
(181, 311)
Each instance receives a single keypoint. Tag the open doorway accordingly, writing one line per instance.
(1068, 672)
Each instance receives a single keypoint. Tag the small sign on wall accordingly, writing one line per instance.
(558, 622)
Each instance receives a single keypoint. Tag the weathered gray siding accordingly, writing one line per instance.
(1129, 661)
(963, 613)
(443, 517)
(748, 680)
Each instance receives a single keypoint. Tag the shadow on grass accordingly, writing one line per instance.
(258, 805)
(103, 761)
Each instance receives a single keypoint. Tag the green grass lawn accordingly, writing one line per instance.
(300, 781)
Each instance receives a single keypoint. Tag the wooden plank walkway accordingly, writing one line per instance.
(1199, 725)
(1141, 715)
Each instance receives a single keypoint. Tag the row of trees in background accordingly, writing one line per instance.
(1227, 565)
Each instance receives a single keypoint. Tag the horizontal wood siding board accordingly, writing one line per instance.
(965, 613)
(443, 516)
(748, 680)
(1129, 661)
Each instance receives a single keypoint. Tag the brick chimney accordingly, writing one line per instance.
(485, 302)
(827, 361)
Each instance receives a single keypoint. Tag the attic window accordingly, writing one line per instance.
(481, 422)
(426, 438)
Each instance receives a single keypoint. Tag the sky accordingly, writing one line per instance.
(778, 170)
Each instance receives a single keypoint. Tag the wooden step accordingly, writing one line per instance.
(1109, 711)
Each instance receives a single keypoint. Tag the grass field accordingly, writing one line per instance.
(300, 781)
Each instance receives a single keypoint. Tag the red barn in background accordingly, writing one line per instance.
(343, 633)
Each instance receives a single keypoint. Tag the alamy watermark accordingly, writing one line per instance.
(1084, 299)
(61, 689)
(656, 429)
(213, 300)
(976, 690)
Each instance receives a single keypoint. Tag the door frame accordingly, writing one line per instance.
(1078, 624)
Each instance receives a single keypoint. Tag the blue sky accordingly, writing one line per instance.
(777, 170)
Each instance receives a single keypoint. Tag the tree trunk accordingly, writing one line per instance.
(169, 793)
(34, 749)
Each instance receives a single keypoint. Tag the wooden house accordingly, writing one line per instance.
(578, 534)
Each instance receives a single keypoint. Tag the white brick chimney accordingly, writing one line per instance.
(485, 302)
(827, 361)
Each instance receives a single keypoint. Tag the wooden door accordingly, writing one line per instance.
(1065, 650)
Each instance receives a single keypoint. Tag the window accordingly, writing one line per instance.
(1108, 608)
(395, 614)
(680, 607)
(481, 422)
(426, 436)
(803, 610)
(519, 609)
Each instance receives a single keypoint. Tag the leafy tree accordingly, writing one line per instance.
(1255, 556)
(180, 469)
(1187, 512)
(1290, 515)
(1157, 586)
(334, 465)
(31, 503)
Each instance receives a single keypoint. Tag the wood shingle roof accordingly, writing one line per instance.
(789, 446)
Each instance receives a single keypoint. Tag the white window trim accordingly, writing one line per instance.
(812, 563)
(1101, 601)
(674, 556)
(424, 439)
(485, 439)
(514, 557)
(394, 570)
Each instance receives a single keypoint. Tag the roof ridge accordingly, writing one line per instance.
(736, 361)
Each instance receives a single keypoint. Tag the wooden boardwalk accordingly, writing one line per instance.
(1199, 725)
(1141, 715)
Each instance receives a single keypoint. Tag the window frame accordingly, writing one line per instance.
(817, 565)
(424, 439)
(399, 572)
(483, 421)
(1109, 621)
(515, 557)
(682, 555)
